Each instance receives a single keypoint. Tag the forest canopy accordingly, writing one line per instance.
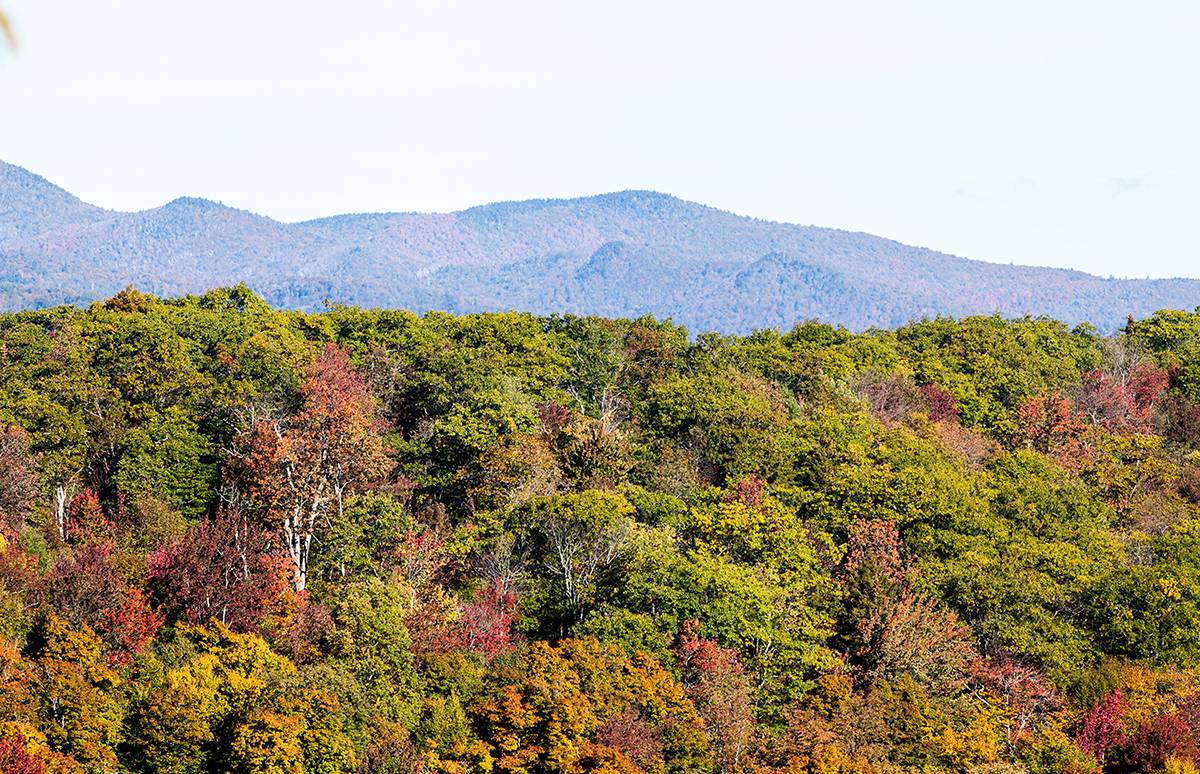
(235, 538)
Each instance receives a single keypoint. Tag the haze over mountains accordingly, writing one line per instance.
(620, 254)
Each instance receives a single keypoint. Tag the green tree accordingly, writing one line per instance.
(370, 639)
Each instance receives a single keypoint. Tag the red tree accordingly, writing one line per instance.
(1147, 384)
(18, 567)
(15, 759)
(222, 569)
(715, 681)
(1049, 424)
(300, 468)
(873, 545)
(434, 617)
(1103, 401)
(488, 620)
(306, 629)
(909, 633)
(1122, 404)
(85, 520)
(1148, 747)
(552, 418)
(890, 629)
(1027, 694)
(749, 491)
(628, 733)
(130, 626)
(1100, 729)
(942, 404)
(87, 588)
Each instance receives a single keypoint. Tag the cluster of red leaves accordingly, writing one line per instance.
(88, 587)
(18, 568)
(699, 657)
(552, 418)
(222, 569)
(631, 735)
(874, 543)
(86, 520)
(1122, 405)
(910, 633)
(943, 407)
(130, 626)
(1109, 736)
(749, 491)
(1049, 424)
(335, 394)
(437, 622)
(1100, 730)
(716, 682)
(1168, 735)
(15, 759)
(488, 619)
(1027, 694)
(301, 637)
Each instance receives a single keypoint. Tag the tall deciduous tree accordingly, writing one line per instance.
(1028, 699)
(488, 620)
(716, 682)
(1049, 424)
(302, 467)
(896, 630)
(580, 537)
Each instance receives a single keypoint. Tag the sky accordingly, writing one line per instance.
(1057, 132)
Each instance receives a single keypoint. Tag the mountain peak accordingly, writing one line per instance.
(30, 204)
(192, 203)
(637, 196)
(632, 200)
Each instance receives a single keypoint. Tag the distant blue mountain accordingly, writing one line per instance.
(619, 254)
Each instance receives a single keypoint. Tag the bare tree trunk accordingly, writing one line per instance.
(60, 510)
(293, 538)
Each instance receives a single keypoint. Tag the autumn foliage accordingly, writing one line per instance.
(367, 542)
(223, 569)
(299, 469)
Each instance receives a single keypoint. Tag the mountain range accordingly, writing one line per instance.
(619, 255)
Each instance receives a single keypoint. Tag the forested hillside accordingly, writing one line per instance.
(624, 254)
(250, 540)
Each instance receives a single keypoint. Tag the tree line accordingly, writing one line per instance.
(235, 538)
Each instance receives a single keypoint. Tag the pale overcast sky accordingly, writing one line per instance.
(1060, 133)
